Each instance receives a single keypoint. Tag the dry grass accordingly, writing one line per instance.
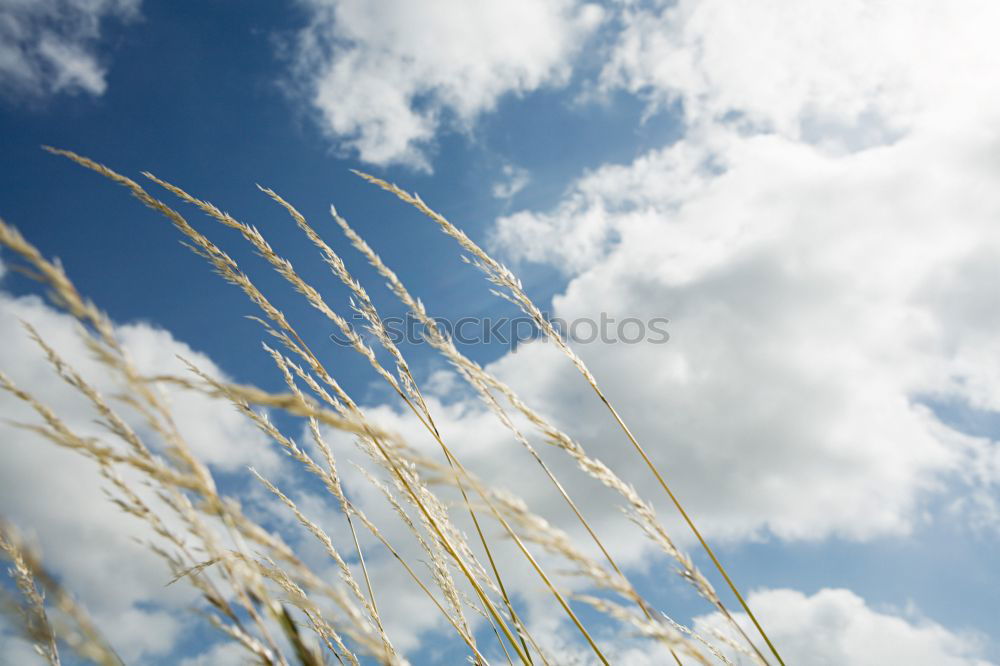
(256, 590)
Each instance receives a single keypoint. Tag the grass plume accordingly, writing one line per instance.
(255, 589)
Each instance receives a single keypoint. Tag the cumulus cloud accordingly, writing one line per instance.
(788, 276)
(836, 626)
(50, 46)
(385, 76)
(820, 289)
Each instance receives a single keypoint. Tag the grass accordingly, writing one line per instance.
(256, 590)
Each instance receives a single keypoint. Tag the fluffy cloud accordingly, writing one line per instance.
(48, 46)
(856, 73)
(814, 300)
(820, 288)
(838, 627)
(385, 75)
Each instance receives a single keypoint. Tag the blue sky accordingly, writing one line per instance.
(804, 192)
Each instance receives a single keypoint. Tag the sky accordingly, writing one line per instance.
(805, 191)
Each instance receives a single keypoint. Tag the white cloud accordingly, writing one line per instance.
(787, 275)
(222, 654)
(853, 73)
(386, 75)
(514, 180)
(819, 288)
(49, 46)
(835, 626)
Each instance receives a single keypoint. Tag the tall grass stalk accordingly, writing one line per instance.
(501, 276)
(257, 591)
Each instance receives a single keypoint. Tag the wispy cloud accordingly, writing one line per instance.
(514, 179)
(50, 46)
